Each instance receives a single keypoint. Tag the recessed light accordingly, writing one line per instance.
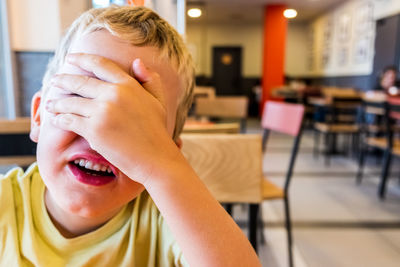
(290, 13)
(194, 12)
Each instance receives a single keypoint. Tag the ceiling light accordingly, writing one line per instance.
(194, 12)
(290, 13)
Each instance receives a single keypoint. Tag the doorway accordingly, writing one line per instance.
(227, 70)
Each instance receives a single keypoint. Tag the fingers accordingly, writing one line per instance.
(101, 67)
(71, 122)
(71, 105)
(85, 86)
(150, 80)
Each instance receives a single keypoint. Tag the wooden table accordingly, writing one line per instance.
(210, 127)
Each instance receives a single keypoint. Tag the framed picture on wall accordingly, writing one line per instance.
(362, 50)
(364, 19)
(327, 42)
(343, 56)
(344, 28)
(311, 51)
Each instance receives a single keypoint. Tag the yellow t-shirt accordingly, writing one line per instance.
(136, 236)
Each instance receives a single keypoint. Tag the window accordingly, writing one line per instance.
(7, 87)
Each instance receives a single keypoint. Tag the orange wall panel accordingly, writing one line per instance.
(275, 30)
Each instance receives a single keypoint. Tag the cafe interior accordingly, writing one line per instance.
(294, 126)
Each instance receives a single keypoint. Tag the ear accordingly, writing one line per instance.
(179, 142)
(35, 116)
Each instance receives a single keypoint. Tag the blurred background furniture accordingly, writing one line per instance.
(223, 107)
(201, 92)
(286, 119)
(204, 91)
(210, 127)
(230, 166)
(372, 124)
(392, 141)
(15, 144)
(335, 113)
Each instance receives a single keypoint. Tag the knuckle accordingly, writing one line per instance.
(115, 93)
(98, 60)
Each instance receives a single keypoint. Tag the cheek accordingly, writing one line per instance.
(52, 143)
(172, 107)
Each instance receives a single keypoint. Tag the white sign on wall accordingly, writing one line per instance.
(343, 41)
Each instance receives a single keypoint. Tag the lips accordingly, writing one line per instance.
(92, 169)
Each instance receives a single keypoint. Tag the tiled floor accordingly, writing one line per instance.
(336, 222)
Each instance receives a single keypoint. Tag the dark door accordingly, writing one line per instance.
(227, 70)
(387, 45)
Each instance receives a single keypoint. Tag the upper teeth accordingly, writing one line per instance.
(92, 166)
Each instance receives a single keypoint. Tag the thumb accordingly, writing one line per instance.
(150, 80)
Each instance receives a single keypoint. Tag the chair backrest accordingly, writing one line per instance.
(229, 164)
(234, 107)
(339, 92)
(392, 116)
(204, 91)
(394, 107)
(282, 117)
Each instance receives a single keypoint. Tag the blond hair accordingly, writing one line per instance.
(139, 26)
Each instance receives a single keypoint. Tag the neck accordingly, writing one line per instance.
(72, 225)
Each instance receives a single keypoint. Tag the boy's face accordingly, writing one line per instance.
(57, 148)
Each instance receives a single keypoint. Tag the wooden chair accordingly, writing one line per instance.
(227, 107)
(15, 144)
(372, 126)
(204, 91)
(287, 119)
(392, 142)
(201, 92)
(231, 167)
(340, 117)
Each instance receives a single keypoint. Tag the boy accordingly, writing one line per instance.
(112, 104)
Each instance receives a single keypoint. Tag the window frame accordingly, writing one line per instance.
(11, 86)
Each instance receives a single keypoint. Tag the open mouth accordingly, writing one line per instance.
(91, 173)
(94, 169)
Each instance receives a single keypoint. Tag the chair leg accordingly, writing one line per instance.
(260, 224)
(288, 225)
(361, 161)
(328, 146)
(253, 212)
(385, 173)
(356, 143)
(316, 144)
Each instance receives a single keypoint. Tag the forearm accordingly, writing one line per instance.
(206, 234)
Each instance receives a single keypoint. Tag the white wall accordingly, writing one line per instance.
(386, 8)
(297, 49)
(35, 25)
(201, 39)
(38, 25)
